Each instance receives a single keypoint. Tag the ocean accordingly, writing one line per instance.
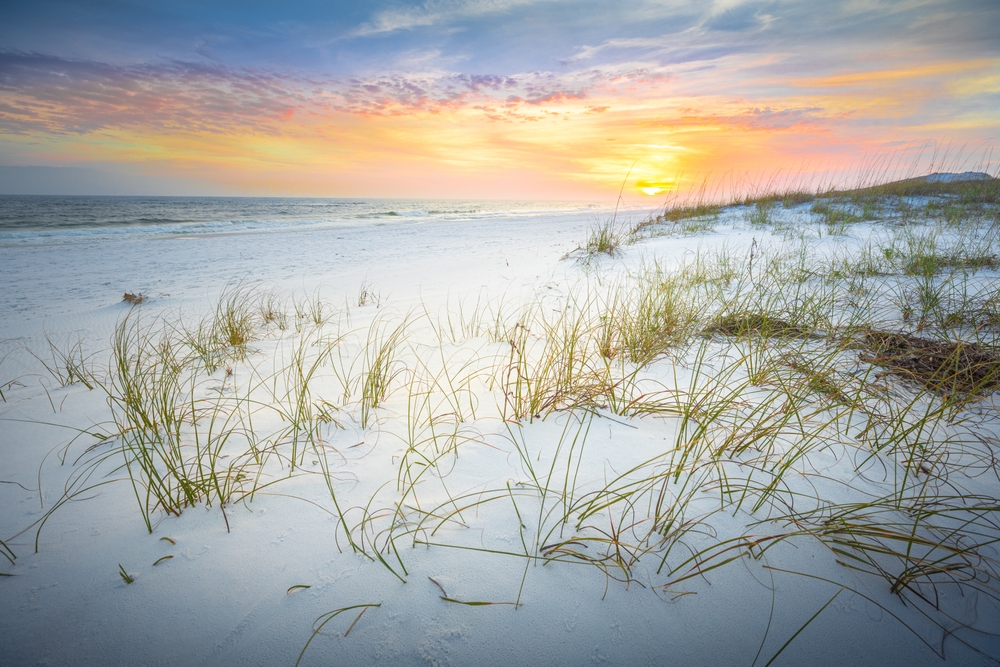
(46, 219)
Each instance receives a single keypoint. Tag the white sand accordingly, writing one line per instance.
(221, 599)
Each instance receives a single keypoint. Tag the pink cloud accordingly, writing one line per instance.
(43, 93)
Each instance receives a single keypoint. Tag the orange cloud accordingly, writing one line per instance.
(915, 72)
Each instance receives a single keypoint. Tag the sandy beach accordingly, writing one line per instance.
(488, 442)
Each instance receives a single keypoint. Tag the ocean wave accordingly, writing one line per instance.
(52, 220)
(165, 221)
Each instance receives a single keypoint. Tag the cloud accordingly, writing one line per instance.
(61, 96)
(760, 119)
(632, 43)
(739, 18)
(433, 12)
(70, 96)
(712, 38)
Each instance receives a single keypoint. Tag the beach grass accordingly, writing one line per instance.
(67, 364)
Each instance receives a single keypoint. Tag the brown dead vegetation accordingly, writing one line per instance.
(947, 367)
(134, 298)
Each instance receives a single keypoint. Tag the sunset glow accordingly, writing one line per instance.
(468, 98)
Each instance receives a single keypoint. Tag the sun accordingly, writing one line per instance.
(653, 188)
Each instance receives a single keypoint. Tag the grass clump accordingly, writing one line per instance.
(381, 366)
(546, 367)
(238, 314)
(367, 294)
(272, 310)
(680, 213)
(644, 315)
(688, 219)
(835, 217)
(7, 384)
(925, 254)
(743, 324)
(68, 365)
(929, 264)
(761, 213)
(235, 318)
(182, 438)
(605, 239)
(975, 190)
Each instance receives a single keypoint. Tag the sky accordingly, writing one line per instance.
(500, 99)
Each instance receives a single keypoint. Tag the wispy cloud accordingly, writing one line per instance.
(60, 95)
(45, 93)
(753, 119)
(434, 12)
